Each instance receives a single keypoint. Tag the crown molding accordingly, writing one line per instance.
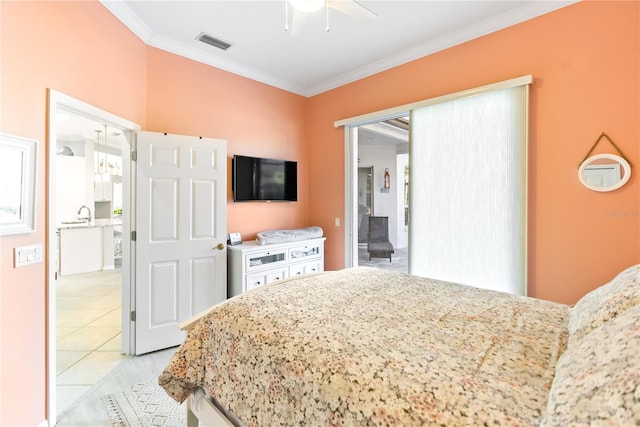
(189, 52)
(121, 11)
(496, 23)
(528, 11)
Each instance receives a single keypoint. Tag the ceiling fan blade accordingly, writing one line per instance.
(352, 8)
(297, 22)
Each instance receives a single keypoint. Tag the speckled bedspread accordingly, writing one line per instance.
(364, 346)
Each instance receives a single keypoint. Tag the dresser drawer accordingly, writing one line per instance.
(255, 280)
(265, 260)
(279, 274)
(302, 252)
(306, 268)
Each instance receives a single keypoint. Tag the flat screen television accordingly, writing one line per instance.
(256, 178)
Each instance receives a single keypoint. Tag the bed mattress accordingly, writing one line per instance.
(364, 346)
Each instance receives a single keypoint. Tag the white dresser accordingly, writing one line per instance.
(251, 265)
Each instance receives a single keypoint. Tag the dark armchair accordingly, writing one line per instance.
(379, 245)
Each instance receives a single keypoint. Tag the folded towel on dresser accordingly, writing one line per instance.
(279, 236)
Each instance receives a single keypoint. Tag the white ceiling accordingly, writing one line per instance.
(313, 61)
(385, 133)
(73, 130)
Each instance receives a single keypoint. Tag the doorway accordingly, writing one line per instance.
(61, 105)
(379, 152)
(88, 209)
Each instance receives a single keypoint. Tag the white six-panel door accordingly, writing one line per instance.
(180, 225)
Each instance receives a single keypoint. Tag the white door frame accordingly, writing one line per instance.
(60, 102)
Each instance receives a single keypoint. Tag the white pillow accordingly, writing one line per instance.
(597, 380)
(605, 303)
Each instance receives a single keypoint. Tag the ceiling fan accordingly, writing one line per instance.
(302, 8)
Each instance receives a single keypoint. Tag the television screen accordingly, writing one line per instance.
(256, 178)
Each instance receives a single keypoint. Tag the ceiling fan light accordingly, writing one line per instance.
(307, 6)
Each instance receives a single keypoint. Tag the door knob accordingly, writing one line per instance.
(219, 247)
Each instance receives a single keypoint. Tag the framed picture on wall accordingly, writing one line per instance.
(18, 158)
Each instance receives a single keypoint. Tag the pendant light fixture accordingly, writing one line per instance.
(106, 177)
(101, 172)
(97, 176)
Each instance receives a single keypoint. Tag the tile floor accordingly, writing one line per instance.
(399, 260)
(88, 343)
(90, 411)
(88, 326)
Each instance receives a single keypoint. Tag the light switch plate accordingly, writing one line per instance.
(26, 255)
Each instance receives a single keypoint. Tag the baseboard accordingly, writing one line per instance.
(45, 423)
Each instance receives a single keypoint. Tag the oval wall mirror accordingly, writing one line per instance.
(604, 172)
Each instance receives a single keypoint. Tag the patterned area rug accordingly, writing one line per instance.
(144, 404)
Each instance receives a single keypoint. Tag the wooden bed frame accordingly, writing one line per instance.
(201, 409)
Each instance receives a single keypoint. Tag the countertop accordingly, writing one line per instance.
(107, 222)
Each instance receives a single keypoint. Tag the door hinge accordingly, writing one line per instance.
(133, 236)
(133, 316)
(134, 155)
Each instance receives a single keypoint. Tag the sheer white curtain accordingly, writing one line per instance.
(468, 196)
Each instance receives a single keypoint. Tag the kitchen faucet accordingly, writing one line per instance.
(88, 210)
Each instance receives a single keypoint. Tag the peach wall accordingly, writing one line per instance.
(254, 118)
(79, 49)
(585, 62)
(82, 50)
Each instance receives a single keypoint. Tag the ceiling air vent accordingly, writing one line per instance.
(206, 38)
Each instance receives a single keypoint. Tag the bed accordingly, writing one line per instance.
(364, 346)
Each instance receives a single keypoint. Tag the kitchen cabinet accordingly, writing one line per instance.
(74, 187)
(86, 247)
(80, 250)
(103, 191)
